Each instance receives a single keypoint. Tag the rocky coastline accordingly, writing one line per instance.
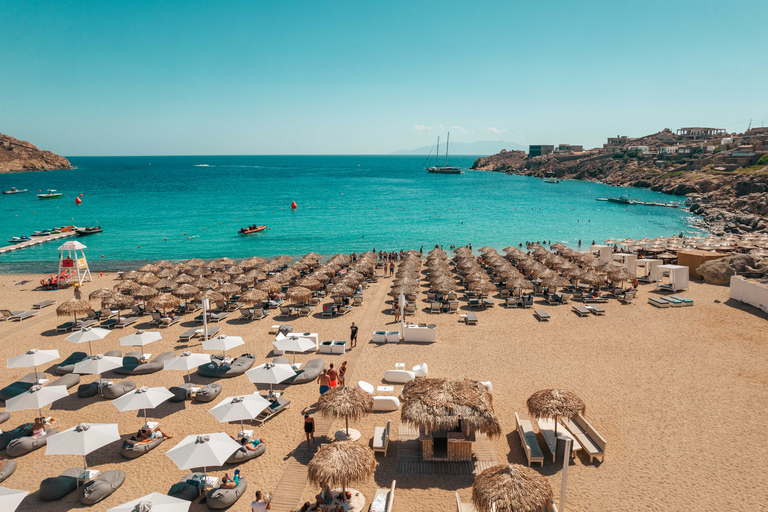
(21, 156)
(726, 202)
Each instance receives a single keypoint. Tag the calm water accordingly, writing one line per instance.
(184, 207)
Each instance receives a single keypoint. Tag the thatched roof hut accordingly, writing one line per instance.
(511, 488)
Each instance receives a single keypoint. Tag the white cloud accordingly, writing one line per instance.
(421, 128)
(440, 127)
(458, 128)
(496, 130)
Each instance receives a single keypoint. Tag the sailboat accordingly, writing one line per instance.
(443, 169)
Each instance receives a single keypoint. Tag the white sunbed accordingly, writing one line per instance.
(387, 496)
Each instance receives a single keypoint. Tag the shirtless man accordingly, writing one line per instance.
(333, 376)
(324, 381)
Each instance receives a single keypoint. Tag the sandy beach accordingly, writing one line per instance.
(679, 394)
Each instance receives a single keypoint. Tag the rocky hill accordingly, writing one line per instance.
(21, 156)
(727, 201)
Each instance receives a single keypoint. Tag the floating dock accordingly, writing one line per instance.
(36, 241)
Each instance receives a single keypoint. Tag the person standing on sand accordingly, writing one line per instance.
(78, 295)
(260, 505)
(332, 376)
(324, 382)
(392, 268)
(309, 428)
(342, 371)
(397, 313)
(353, 336)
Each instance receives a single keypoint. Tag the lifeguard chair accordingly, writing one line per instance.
(71, 264)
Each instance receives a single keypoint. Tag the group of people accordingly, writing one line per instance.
(332, 377)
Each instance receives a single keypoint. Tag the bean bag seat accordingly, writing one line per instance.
(224, 371)
(132, 366)
(386, 403)
(208, 393)
(180, 393)
(22, 430)
(131, 450)
(186, 488)
(57, 487)
(69, 381)
(222, 498)
(88, 390)
(117, 389)
(101, 487)
(21, 385)
(23, 445)
(68, 365)
(7, 469)
(244, 454)
(399, 376)
(4, 416)
(308, 373)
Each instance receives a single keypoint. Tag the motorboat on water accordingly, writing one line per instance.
(443, 169)
(14, 190)
(551, 180)
(43, 232)
(251, 230)
(90, 230)
(50, 194)
(19, 239)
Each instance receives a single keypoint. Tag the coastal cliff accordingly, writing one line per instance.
(726, 201)
(21, 156)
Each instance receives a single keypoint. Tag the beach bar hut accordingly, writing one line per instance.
(648, 267)
(674, 277)
(694, 258)
(450, 414)
(74, 264)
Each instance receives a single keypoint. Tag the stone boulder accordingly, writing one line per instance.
(720, 271)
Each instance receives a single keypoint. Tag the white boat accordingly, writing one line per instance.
(50, 194)
(443, 169)
(551, 180)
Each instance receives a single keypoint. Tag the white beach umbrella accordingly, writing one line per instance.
(88, 334)
(270, 373)
(223, 343)
(140, 338)
(33, 357)
(291, 344)
(142, 398)
(10, 499)
(98, 364)
(82, 439)
(36, 397)
(186, 361)
(155, 502)
(203, 450)
(239, 408)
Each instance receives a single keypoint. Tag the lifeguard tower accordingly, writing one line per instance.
(71, 262)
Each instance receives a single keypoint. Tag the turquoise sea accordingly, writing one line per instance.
(192, 206)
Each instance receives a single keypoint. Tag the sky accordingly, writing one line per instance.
(349, 77)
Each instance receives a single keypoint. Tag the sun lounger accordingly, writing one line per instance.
(475, 303)
(124, 322)
(435, 307)
(101, 487)
(20, 386)
(357, 300)
(343, 310)
(381, 438)
(224, 371)
(23, 315)
(6, 314)
(68, 365)
(528, 301)
(541, 315)
(581, 310)
(55, 488)
(658, 302)
(305, 311)
(277, 406)
(44, 304)
(453, 306)
(208, 393)
(4, 416)
(118, 389)
(365, 386)
(219, 498)
(23, 430)
(213, 317)
(547, 429)
(399, 376)
(133, 366)
(410, 309)
(243, 454)
(188, 487)
(8, 469)
(24, 445)
(308, 373)
(285, 312)
(592, 442)
(597, 310)
(686, 302)
(628, 297)
(528, 440)
(471, 319)
(384, 499)
(673, 302)
(198, 331)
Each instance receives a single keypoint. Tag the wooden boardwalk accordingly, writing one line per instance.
(35, 241)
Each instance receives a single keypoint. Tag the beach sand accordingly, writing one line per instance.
(679, 394)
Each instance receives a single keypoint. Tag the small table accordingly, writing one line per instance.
(87, 475)
(399, 366)
(245, 433)
(385, 389)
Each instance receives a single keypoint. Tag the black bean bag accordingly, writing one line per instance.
(68, 365)
(101, 487)
(57, 487)
(131, 365)
(69, 381)
(180, 393)
(238, 367)
(244, 454)
(4, 416)
(21, 385)
(208, 393)
(88, 390)
(23, 445)
(184, 489)
(117, 389)
(8, 469)
(22, 430)
(222, 498)
(308, 373)
(130, 450)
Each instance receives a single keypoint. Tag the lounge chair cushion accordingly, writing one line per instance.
(208, 393)
(118, 389)
(386, 403)
(129, 450)
(180, 393)
(244, 454)
(308, 373)
(57, 487)
(23, 445)
(131, 365)
(183, 489)
(7, 469)
(101, 487)
(222, 498)
(21, 385)
(238, 367)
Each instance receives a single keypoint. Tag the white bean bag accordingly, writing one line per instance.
(386, 403)
(399, 376)
(488, 386)
(368, 388)
(421, 370)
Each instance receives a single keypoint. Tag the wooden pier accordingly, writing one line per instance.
(36, 241)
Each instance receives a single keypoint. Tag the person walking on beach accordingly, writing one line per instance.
(397, 313)
(353, 336)
(309, 428)
(332, 376)
(260, 505)
(392, 268)
(78, 295)
(342, 371)
(324, 382)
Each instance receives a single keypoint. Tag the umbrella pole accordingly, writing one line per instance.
(85, 463)
(555, 427)
(90, 348)
(346, 419)
(40, 412)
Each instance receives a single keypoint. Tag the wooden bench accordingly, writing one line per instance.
(528, 439)
(547, 429)
(381, 440)
(592, 442)
(389, 497)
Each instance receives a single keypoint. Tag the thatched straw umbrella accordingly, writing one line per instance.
(164, 284)
(253, 296)
(164, 301)
(340, 464)
(148, 279)
(220, 277)
(482, 287)
(145, 292)
(619, 275)
(310, 283)
(200, 272)
(126, 287)
(119, 301)
(74, 307)
(164, 264)
(298, 294)
(215, 265)
(167, 273)
(228, 289)
(182, 267)
(312, 256)
(511, 488)
(518, 283)
(226, 261)
(589, 278)
(186, 291)
(269, 287)
(283, 260)
(185, 279)
(555, 403)
(101, 293)
(345, 402)
(243, 281)
(341, 290)
(554, 282)
(234, 271)
(323, 278)
(300, 266)
(212, 296)
(440, 404)
(195, 262)
(131, 275)
(254, 275)
(149, 267)
(204, 283)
